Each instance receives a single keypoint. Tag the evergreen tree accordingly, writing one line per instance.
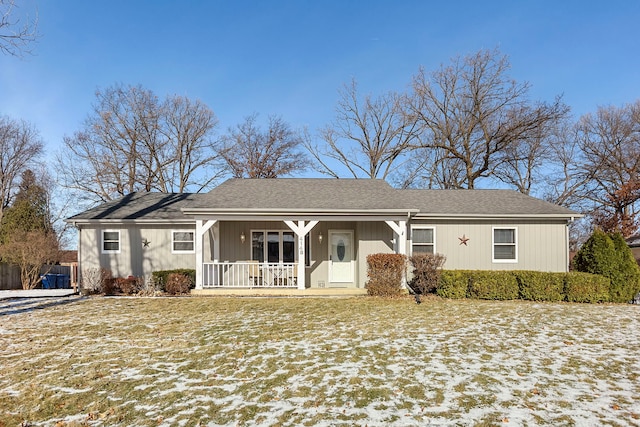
(29, 211)
(610, 256)
(27, 238)
(627, 283)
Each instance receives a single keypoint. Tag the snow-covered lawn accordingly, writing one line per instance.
(357, 361)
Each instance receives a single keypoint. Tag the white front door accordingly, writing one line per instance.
(340, 256)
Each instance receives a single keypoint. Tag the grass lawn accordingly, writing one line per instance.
(293, 361)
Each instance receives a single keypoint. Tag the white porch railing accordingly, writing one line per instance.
(247, 274)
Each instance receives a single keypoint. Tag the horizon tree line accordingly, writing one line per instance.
(465, 125)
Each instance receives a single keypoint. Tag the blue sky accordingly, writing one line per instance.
(289, 58)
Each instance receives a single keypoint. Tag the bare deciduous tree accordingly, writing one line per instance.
(132, 141)
(369, 137)
(252, 153)
(20, 146)
(472, 113)
(15, 37)
(30, 251)
(610, 143)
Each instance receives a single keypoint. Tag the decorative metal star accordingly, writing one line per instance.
(145, 243)
(463, 240)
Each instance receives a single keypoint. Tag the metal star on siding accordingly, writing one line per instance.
(145, 243)
(463, 240)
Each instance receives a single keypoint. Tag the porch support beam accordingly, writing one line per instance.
(400, 234)
(201, 228)
(301, 230)
(400, 245)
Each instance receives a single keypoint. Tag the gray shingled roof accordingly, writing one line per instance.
(140, 206)
(292, 194)
(480, 202)
(303, 193)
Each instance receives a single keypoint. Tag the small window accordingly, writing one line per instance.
(182, 241)
(423, 240)
(505, 248)
(110, 241)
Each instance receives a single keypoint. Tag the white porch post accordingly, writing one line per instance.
(400, 234)
(201, 228)
(400, 247)
(301, 230)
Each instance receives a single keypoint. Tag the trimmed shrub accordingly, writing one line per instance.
(385, 272)
(586, 287)
(494, 285)
(540, 286)
(426, 272)
(177, 284)
(453, 284)
(160, 277)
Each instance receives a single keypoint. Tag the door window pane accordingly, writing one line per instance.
(257, 246)
(288, 247)
(273, 246)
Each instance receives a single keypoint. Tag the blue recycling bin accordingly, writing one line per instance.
(63, 281)
(49, 281)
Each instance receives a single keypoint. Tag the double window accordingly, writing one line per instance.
(505, 244)
(276, 247)
(182, 241)
(423, 240)
(110, 241)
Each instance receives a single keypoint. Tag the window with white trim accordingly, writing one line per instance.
(277, 246)
(423, 240)
(182, 241)
(505, 244)
(110, 241)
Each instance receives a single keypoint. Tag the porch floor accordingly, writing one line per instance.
(289, 292)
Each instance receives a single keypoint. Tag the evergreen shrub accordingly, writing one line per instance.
(540, 286)
(453, 284)
(586, 287)
(611, 257)
(385, 272)
(494, 285)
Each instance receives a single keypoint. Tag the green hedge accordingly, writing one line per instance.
(540, 286)
(586, 287)
(453, 284)
(526, 285)
(495, 285)
(160, 277)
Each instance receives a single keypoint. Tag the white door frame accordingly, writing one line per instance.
(350, 279)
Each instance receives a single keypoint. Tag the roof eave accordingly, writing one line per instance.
(567, 216)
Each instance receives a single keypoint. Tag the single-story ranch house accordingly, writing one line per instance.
(316, 233)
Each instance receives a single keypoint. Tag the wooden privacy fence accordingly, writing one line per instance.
(10, 274)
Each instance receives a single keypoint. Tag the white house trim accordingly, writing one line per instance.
(301, 230)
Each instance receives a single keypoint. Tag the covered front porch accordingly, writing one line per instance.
(292, 253)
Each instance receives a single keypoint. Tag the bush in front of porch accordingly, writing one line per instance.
(385, 272)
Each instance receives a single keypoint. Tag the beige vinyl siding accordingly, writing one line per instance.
(134, 259)
(372, 238)
(541, 245)
(317, 274)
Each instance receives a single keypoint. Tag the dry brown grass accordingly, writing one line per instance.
(294, 361)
